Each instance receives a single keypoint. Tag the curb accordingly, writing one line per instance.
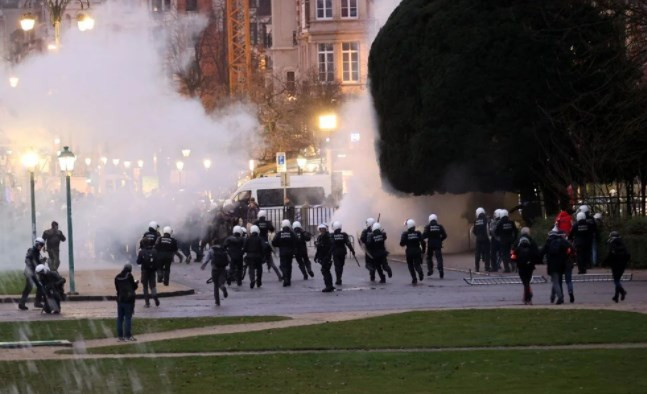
(82, 298)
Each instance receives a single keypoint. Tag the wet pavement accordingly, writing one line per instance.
(356, 294)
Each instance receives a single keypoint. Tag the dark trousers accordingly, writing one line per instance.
(164, 271)
(304, 265)
(255, 269)
(438, 253)
(372, 267)
(148, 281)
(54, 258)
(286, 268)
(482, 253)
(339, 261)
(583, 257)
(617, 280)
(504, 252)
(557, 292)
(381, 263)
(30, 282)
(414, 263)
(495, 255)
(236, 270)
(525, 274)
(269, 260)
(125, 312)
(219, 276)
(325, 272)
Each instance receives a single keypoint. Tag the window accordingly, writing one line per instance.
(312, 195)
(243, 196)
(326, 63)
(191, 5)
(324, 9)
(291, 83)
(350, 59)
(161, 5)
(349, 8)
(270, 197)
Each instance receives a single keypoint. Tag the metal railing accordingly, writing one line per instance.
(310, 218)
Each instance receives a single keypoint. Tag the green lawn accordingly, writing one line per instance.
(11, 282)
(496, 327)
(106, 328)
(583, 371)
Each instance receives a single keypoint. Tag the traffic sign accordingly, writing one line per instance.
(281, 162)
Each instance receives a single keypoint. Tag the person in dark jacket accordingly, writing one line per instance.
(53, 238)
(219, 260)
(582, 236)
(415, 247)
(556, 250)
(495, 244)
(368, 258)
(303, 237)
(32, 260)
(286, 241)
(165, 247)
(234, 247)
(266, 227)
(125, 284)
(506, 232)
(340, 246)
(254, 249)
(375, 245)
(480, 231)
(288, 210)
(53, 288)
(435, 234)
(147, 260)
(525, 255)
(323, 256)
(617, 259)
(149, 239)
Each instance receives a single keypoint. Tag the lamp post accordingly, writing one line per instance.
(301, 163)
(180, 166)
(27, 22)
(186, 153)
(66, 160)
(30, 161)
(206, 163)
(252, 167)
(327, 124)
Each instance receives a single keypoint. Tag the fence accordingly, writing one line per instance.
(310, 218)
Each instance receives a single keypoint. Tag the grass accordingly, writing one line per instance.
(12, 282)
(543, 371)
(106, 328)
(469, 328)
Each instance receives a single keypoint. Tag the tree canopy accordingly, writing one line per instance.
(485, 95)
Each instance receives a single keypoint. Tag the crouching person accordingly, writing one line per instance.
(53, 288)
(125, 284)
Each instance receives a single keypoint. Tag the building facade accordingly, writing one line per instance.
(323, 39)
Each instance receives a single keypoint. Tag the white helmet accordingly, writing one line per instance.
(243, 230)
(323, 226)
(581, 216)
(255, 230)
(479, 211)
(504, 213)
(168, 230)
(336, 226)
(597, 216)
(296, 225)
(584, 208)
(377, 226)
(497, 213)
(153, 224)
(40, 268)
(262, 213)
(238, 230)
(370, 222)
(433, 217)
(410, 224)
(39, 241)
(525, 231)
(285, 223)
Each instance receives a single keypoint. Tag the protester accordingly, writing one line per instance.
(125, 284)
(53, 238)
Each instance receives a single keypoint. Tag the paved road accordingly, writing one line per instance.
(357, 294)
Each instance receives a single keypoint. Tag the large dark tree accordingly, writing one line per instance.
(484, 95)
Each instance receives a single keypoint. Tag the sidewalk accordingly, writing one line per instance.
(99, 285)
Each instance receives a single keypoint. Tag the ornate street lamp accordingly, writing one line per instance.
(30, 161)
(27, 22)
(66, 160)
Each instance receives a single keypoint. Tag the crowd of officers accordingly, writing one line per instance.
(569, 243)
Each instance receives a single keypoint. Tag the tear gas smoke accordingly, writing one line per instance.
(107, 94)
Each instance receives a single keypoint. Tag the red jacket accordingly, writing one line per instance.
(564, 222)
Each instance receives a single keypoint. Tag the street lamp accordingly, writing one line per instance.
(186, 153)
(328, 122)
(85, 22)
(127, 164)
(30, 161)
(13, 81)
(27, 22)
(88, 161)
(140, 163)
(115, 162)
(180, 166)
(252, 166)
(206, 163)
(66, 160)
(301, 163)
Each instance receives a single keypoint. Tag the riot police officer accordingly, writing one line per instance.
(323, 256)
(234, 247)
(266, 227)
(286, 241)
(341, 242)
(166, 247)
(435, 234)
(302, 250)
(480, 231)
(415, 247)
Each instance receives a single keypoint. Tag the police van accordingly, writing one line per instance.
(270, 192)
